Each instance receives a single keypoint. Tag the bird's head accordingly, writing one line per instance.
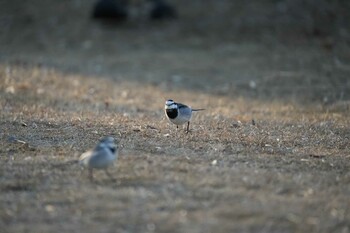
(170, 104)
(108, 142)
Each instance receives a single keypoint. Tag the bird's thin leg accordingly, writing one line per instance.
(90, 174)
(188, 127)
(109, 174)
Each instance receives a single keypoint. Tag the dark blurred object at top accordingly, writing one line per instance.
(118, 10)
(162, 10)
(110, 10)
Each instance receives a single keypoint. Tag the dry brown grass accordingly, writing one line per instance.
(287, 172)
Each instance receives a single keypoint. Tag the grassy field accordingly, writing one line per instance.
(269, 154)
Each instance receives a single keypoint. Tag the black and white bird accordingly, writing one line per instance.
(178, 113)
(101, 157)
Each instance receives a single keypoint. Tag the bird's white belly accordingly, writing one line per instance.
(100, 160)
(180, 120)
(102, 163)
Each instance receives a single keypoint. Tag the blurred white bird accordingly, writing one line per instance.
(101, 157)
(178, 113)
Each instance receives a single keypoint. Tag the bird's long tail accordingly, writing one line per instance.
(198, 109)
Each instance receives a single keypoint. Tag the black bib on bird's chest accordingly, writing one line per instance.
(171, 113)
(112, 149)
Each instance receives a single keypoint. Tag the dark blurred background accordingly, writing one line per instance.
(308, 17)
(257, 42)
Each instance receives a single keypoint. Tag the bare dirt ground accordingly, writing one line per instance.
(66, 81)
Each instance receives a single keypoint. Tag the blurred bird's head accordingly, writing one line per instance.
(170, 104)
(108, 142)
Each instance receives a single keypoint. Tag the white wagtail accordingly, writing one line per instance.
(178, 113)
(101, 157)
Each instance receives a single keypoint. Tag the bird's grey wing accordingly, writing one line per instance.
(185, 111)
(85, 157)
(102, 157)
(180, 105)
